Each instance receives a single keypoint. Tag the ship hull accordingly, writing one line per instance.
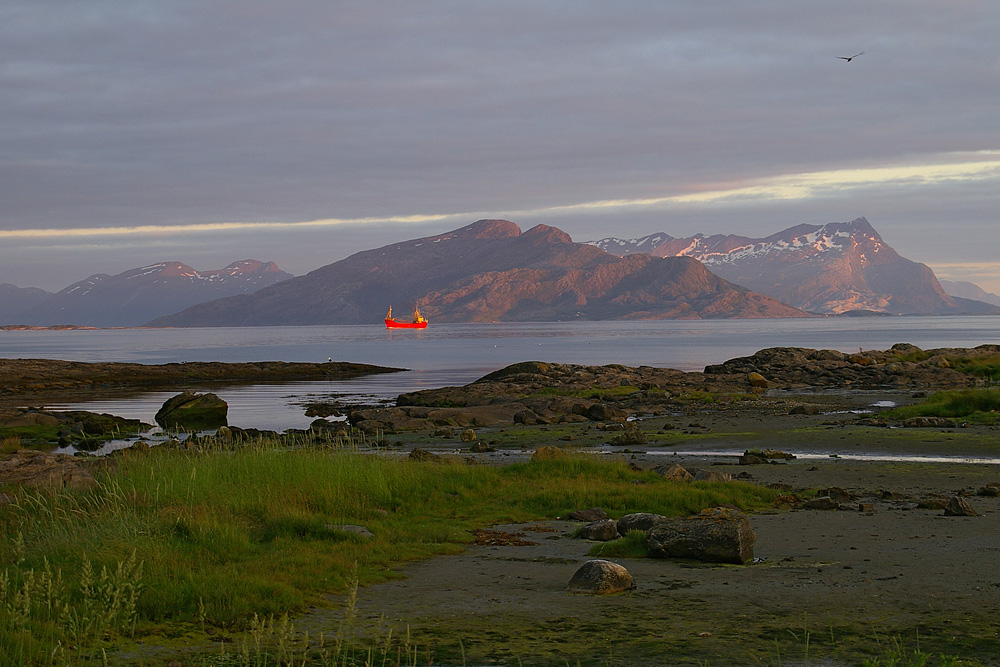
(393, 324)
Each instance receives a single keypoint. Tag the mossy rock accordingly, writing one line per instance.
(190, 411)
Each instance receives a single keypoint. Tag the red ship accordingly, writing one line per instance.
(418, 322)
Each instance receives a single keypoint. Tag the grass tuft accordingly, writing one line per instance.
(979, 405)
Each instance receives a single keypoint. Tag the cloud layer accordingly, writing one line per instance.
(301, 132)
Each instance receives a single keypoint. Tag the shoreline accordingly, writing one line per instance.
(887, 561)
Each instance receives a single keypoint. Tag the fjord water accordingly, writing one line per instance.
(448, 354)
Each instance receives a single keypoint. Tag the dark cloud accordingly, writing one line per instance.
(175, 112)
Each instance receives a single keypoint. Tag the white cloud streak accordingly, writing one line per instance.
(947, 169)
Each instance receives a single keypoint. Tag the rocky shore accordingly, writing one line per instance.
(535, 392)
(36, 381)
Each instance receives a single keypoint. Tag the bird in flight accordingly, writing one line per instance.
(850, 58)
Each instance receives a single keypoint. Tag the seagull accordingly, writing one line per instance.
(849, 59)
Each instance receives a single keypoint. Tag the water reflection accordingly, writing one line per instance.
(824, 456)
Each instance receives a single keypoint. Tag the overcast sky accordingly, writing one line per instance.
(302, 132)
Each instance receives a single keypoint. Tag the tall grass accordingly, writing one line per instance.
(221, 537)
(981, 405)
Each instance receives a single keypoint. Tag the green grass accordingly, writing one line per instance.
(632, 545)
(979, 405)
(981, 365)
(220, 537)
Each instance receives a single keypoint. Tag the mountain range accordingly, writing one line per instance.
(491, 271)
(133, 297)
(826, 269)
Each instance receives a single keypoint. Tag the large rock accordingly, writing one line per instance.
(191, 411)
(589, 515)
(601, 577)
(716, 535)
(959, 506)
(600, 412)
(674, 471)
(603, 530)
(42, 470)
(638, 521)
(548, 453)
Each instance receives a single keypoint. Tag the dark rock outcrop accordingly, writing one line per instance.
(902, 365)
(42, 470)
(27, 377)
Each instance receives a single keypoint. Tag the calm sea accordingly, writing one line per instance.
(448, 354)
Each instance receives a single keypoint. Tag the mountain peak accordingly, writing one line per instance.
(547, 234)
(487, 229)
(832, 268)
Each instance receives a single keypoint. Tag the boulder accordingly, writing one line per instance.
(716, 535)
(601, 577)
(959, 506)
(420, 454)
(191, 411)
(548, 453)
(638, 521)
(837, 493)
(631, 437)
(600, 412)
(757, 380)
(526, 417)
(602, 530)
(712, 476)
(751, 459)
(674, 471)
(991, 490)
(468, 435)
(821, 503)
(592, 514)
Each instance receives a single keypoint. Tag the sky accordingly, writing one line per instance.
(303, 132)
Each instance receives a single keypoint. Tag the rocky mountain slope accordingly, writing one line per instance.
(966, 290)
(490, 271)
(135, 296)
(14, 299)
(828, 269)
